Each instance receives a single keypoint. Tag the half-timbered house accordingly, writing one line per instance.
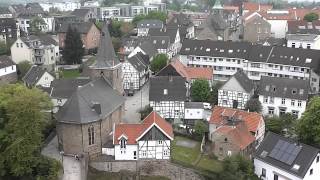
(135, 72)
(148, 140)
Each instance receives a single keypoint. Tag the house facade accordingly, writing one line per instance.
(226, 58)
(40, 50)
(8, 70)
(37, 76)
(256, 28)
(279, 96)
(236, 92)
(61, 6)
(194, 111)
(295, 160)
(143, 26)
(149, 140)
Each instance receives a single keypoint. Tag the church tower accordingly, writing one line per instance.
(107, 63)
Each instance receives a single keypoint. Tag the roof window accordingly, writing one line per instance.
(187, 49)
(296, 167)
(165, 91)
(301, 91)
(230, 51)
(267, 87)
(208, 49)
(308, 60)
(221, 50)
(294, 91)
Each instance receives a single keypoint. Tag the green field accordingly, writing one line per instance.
(67, 74)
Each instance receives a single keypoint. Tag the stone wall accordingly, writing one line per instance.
(148, 167)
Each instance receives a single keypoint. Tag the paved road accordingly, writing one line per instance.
(133, 104)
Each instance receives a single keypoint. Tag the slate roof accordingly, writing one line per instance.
(148, 48)
(251, 119)
(193, 105)
(160, 42)
(139, 62)
(4, 10)
(246, 83)
(244, 50)
(284, 87)
(5, 61)
(79, 108)
(133, 131)
(304, 158)
(44, 39)
(150, 23)
(80, 12)
(81, 27)
(64, 88)
(33, 75)
(302, 37)
(106, 56)
(171, 33)
(303, 27)
(175, 86)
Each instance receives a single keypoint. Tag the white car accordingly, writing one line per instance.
(207, 106)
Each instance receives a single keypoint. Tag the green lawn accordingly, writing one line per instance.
(70, 73)
(187, 157)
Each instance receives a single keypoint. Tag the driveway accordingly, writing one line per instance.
(134, 103)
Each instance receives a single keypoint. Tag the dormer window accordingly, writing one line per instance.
(123, 143)
(294, 91)
(165, 91)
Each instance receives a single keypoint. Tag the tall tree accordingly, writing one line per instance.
(21, 126)
(311, 17)
(73, 48)
(36, 24)
(214, 93)
(308, 127)
(151, 15)
(200, 90)
(158, 62)
(253, 105)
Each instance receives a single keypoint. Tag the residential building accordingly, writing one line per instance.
(8, 30)
(62, 89)
(61, 6)
(167, 95)
(136, 10)
(143, 26)
(282, 158)
(150, 139)
(37, 77)
(30, 9)
(279, 96)
(91, 4)
(8, 70)
(5, 13)
(255, 7)
(85, 14)
(184, 24)
(135, 72)
(226, 58)
(236, 92)
(146, 48)
(90, 34)
(223, 116)
(256, 28)
(86, 120)
(109, 12)
(234, 131)
(63, 19)
(193, 112)
(39, 50)
(300, 12)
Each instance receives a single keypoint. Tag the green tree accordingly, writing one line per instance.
(200, 90)
(214, 93)
(145, 112)
(151, 15)
(311, 17)
(308, 127)
(274, 124)
(158, 62)
(36, 24)
(3, 48)
(116, 42)
(253, 105)
(175, 5)
(114, 28)
(23, 68)
(285, 124)
(73, 50)
(21, 128)
(200, 128)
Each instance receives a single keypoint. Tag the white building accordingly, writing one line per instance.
(136, 10)
(282, 158)
(91, 4)
(236, 92)
(37, 76)
(226, 58)
(8, 70)
(135, 72)
(279, 96)
(194, 111)
(24, 22)
(143, 26)
(305, 41)
(39, 50)
(149, 140)
(61, 6)
(109, 12)
(167, 95)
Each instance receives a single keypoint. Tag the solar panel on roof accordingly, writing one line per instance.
(285, 152)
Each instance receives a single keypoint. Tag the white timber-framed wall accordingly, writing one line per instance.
(169, 109)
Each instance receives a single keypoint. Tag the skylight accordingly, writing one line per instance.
(230, 51)
(296, 167)
(208, 49)
(308, 60)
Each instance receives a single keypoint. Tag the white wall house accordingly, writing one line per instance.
(279, 96)
(109, 12)
(278, 20)
(39, 50)
(61, 6)
(148, 140)
(37, 76)
(8, 70)
(305, 41)
(226, 58)
(301, 163)
(236, 92)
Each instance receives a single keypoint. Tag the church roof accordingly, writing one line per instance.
(106, 57)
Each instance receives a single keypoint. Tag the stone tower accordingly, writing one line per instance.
(107, 63)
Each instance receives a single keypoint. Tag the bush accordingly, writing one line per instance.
(145, 112)
(48, 169)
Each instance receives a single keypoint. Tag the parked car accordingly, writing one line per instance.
(130, 92)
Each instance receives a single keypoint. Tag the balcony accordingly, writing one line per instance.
(38, 60)
(38, 53)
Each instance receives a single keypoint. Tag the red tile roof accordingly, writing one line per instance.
(192, 72)
(251, 119)
(240, 137)
(133, 131)
(299, 13)
(252, 6)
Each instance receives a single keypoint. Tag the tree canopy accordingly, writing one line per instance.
(36, 24)
(151, 15)
(200, 90)
(200, 128)
(308, 127)
(22, 121)
(214, 93)
(23, 68)
(311, 17)
(73, 48)
(253, 105)
(158, 62)
(285, 124)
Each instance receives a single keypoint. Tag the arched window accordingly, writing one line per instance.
(91, 135)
